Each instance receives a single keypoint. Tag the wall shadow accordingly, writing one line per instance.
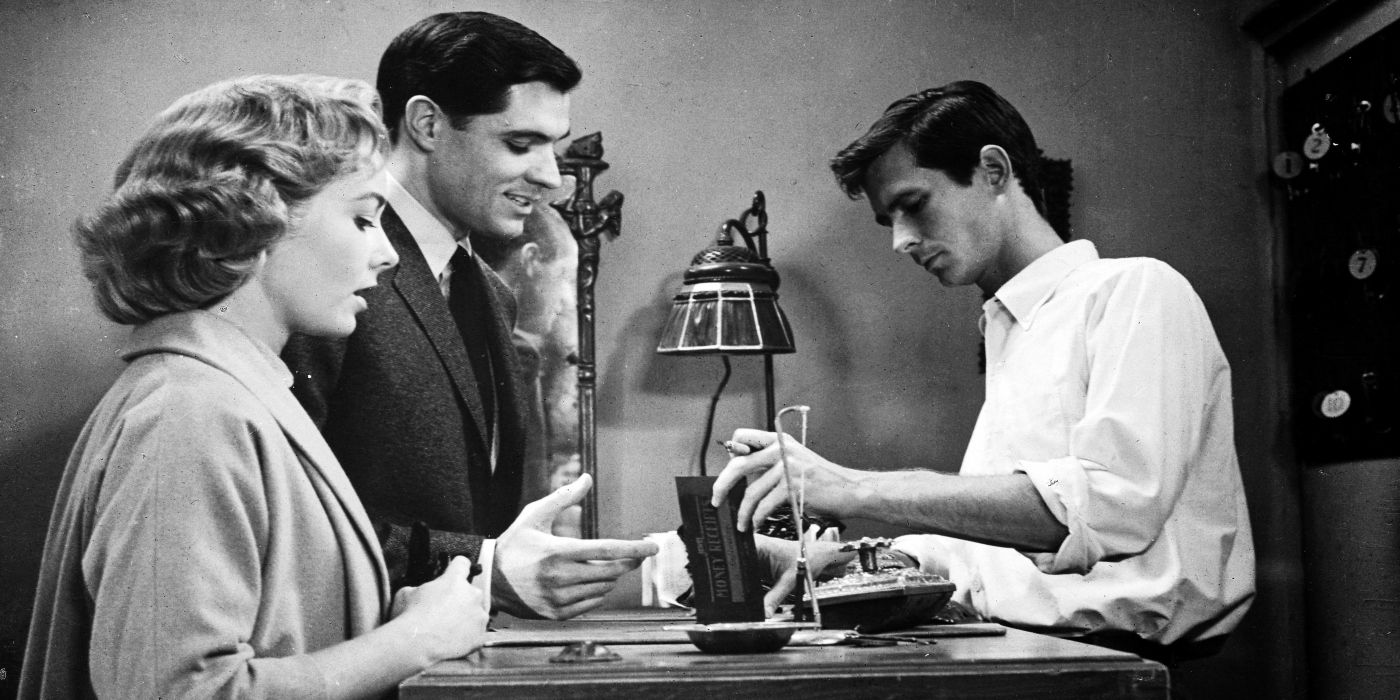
(33, 467)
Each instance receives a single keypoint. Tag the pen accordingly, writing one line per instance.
(735, 449)
(890, 638)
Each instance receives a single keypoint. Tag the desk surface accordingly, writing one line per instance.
(1015, 664)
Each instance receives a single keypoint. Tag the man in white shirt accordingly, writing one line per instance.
(423, 404)
(1100, 493)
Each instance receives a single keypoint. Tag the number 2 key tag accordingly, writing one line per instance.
(1317, 143)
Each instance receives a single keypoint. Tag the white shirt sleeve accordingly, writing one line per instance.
(482, 581)
(1147, 391)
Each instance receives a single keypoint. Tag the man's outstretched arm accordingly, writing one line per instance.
(1005, 510)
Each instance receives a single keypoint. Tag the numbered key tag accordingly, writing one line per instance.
(1390, 109)
(1317, 143)
(1334, 404)
(1361, 120)
(1288, 165)
(1362, 263)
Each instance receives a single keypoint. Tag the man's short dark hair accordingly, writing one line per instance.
(946, 128)
(466, 62)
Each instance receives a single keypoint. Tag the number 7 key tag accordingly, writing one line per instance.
(1362, 263)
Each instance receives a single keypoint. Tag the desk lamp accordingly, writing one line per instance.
(728, 305)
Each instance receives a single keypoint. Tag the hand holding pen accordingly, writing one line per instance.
(831, 490)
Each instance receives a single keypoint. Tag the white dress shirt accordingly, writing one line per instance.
(1107, 386)
(433, 237)
(438, 244)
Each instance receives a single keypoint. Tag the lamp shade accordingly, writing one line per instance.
(728, 304)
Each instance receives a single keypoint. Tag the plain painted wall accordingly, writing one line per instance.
(701, 104)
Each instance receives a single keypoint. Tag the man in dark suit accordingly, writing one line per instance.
(423, 403)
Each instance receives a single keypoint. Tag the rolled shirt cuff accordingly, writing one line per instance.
(1064, 487)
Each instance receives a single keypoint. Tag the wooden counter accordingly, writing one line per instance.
(991, 663)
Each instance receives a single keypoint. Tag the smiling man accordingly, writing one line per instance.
(1100, 494)
(423, 403)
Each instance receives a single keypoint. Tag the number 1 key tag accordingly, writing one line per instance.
(1288, 165)
(1317, 143)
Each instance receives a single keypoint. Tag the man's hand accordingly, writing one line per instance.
(831, 489)
(538, 575)
(779, 559)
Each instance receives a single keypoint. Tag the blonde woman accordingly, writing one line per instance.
(205, 541)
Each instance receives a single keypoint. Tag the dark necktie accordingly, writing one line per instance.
(467, 299)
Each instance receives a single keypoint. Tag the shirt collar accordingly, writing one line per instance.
(1024, 294)
(433, 237)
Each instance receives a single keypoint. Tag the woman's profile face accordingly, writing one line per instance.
(333, 249)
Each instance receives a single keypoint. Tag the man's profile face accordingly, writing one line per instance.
(488, 176)
(947, 228)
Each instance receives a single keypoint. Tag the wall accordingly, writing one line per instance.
(1348, 537)
(701, 103)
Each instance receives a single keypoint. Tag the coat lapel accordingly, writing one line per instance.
(221, 344)
(419, 289)
(510, 399)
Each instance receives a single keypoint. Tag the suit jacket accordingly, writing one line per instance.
(204, 539)
(401, 407)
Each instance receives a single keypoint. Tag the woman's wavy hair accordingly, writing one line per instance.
(212, 184)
